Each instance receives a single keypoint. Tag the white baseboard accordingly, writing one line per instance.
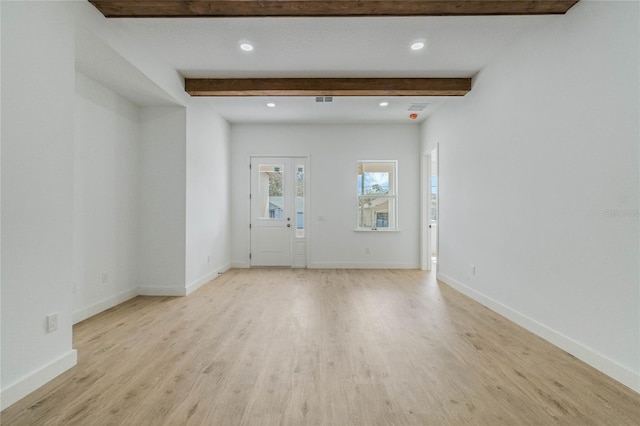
(40, 377)
(205, 279)
(361, 265)
(162, 291)
(96, 308)
(170, 291)
(240, 265)
(598, 361)
(33, 381)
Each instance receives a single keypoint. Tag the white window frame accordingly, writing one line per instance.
(392, 197)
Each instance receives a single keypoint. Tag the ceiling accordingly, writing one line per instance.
(96, 59)
(327, 47)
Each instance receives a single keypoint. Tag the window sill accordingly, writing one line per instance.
(375, 230)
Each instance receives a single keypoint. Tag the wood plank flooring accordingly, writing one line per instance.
(320, 347)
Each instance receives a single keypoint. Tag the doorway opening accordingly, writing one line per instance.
(430, 211)
(433, 208)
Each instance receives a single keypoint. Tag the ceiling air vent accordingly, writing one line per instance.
(417, 107)
(324, 99)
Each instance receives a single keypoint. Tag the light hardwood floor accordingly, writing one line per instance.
(311, 347)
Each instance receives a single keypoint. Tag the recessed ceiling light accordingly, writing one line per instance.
(271, 105)
(418, 45)
(384, 104)
(247, 47)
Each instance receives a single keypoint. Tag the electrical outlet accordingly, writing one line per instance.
(105, 277)
(208, 259)
(52, 323)
(473, 269)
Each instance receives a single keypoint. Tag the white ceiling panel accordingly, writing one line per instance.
(327, 47)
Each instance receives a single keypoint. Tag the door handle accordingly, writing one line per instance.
(289, 219)
(288, 225)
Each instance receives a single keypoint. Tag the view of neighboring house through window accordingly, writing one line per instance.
(271, 195)
(377, 187)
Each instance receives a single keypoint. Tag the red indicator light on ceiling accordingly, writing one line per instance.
(413, 116)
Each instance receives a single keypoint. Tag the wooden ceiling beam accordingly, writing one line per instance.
(314, 8)
(328, 86)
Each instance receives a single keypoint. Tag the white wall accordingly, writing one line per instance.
(333, 151)
(208, 219)
(532, 161)
(129, 214)
(37, 183)
(124, 211)
(162, 201)
(1, 221)
(184, 221)
(105, 219)
(131, 50)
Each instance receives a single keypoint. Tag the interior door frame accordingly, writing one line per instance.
(307, 203)
(426, 253)
(425, 191)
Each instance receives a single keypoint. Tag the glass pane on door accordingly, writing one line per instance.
(300, 201)
(271, 191)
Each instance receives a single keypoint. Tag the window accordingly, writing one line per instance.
(377, 202)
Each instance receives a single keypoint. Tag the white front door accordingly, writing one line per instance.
(273, 210)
